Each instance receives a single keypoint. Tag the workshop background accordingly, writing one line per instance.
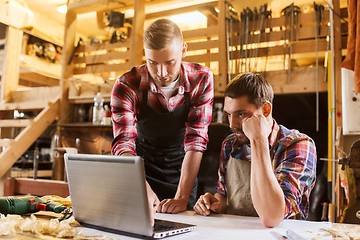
(58, 58)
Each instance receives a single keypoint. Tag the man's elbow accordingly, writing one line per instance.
(271, 221)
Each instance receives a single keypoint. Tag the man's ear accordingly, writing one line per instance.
(266, 108)
(183, 50)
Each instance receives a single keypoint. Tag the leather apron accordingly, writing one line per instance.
(160, 141)
(237, 177)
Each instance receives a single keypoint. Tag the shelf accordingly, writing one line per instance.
(84, 125)
(29, 173)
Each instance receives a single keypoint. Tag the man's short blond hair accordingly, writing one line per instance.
(161, 33)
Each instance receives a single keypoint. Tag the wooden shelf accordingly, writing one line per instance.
(84, 125)
(29, 173)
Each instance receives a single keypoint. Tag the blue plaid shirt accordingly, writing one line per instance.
(294, 166)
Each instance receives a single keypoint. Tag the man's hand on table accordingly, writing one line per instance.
(207, 203)
(174, 205)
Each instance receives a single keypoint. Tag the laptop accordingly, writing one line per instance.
(109, 193)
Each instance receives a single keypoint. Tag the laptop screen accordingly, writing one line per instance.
(109, 191)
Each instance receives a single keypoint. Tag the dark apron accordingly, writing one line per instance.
(160, 141)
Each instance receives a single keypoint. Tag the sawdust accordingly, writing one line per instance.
(344, 232)
(16, 227)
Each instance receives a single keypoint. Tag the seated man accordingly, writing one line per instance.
(266, 170)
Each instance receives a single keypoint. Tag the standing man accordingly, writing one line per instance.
(266, 170)
(161, 111)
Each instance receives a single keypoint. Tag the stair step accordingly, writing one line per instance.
(29, 94)
(15, 123)
(5, 142)
(32, 105)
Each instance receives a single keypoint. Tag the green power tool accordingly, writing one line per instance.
(28, 204)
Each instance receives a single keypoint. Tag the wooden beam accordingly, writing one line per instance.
(106, 45)
(203, 58)
(221, 82)
(11, 64)
(92, 69)
(204, 33)
(79, 7)
(192, 46)
(37, 187)
(92, 59)
(175, 11)
(302, 80)
(31, 105)
(5, 142)
(137, 33)
(340, 201)
(67, 69)
(39, 79)
(15, 123)
(42, 94)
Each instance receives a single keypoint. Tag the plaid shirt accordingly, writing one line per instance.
(295, 154)
(127, 96)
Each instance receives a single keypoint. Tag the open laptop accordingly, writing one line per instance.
(109, 192)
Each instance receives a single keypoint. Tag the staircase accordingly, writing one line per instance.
(17, 135)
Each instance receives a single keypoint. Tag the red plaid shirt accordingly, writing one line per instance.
(127, 96)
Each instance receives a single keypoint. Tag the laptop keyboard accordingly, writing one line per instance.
(161, 228)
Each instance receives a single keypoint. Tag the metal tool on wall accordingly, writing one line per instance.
(261, 28)
(241, 39)
(230, 17)
(268, 26)
(291, 26)
(318, 13)
(253, 26)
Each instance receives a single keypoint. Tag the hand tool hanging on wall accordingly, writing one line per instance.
(291, 14)
(269, 27)
(262, 12)
(233, 19)
(241, 40)
(248, 15)
(318, 12)
(230, 16)
(255, 17)
(227, 23)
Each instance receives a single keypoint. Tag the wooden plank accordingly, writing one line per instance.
(221, 82)
(15, 123)
(202, 33)
(175, 11)
(31, 105)
(137, 33)
(203, 58)
(37, 187)
(104, 68)
(106, 45)
(39, 79)
(5, 142)
(305, 46)
(302, 80)
(29, 173)
(41, 93)
(79, 7)
(67, 69)
(11, 64)
(27, 136)
(102, 57)
(192, 46)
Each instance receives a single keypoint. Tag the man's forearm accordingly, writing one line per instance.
(267, 195)
(189, 170)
